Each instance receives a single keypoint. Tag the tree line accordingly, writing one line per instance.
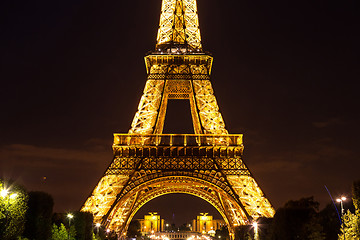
(302, 219)
(29, 216)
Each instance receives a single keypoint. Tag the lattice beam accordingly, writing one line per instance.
(148, 164)
(179, 24)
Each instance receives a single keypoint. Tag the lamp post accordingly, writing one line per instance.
(341, 200)
(4, 193)
(69, 216)
(97, 227)
(256, 232)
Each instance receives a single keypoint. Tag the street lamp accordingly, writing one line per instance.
(97, 227)
(341, 200)
(69, 216)
(4, 193)
(256, 233)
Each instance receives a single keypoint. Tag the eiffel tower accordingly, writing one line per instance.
(148, 164)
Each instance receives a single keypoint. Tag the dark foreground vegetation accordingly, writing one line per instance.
(29, 215)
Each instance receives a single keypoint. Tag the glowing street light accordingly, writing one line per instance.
(341, 200)
(69, 216)
(4, 193)
(256, 232)
(97, 225)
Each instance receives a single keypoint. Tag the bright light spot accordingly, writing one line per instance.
(4, 192)
(70, 216)
(255, 224)
(107, 230)
(97, 225)
(14, 195)
(341, 199)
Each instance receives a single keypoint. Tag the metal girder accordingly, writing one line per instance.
(179, 24)
(178, 77)
(140, 168)
(148, 164)
(174, 184)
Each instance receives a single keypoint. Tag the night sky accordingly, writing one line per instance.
(285, 74)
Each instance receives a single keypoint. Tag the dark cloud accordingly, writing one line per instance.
(329, 122)
(69, 174)
(305, 170)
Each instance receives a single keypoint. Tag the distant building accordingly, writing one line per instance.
(178, 235)
(206, 224)
(153, 226)
(151, 223)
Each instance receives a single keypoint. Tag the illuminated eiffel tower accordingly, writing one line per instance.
(148, 164)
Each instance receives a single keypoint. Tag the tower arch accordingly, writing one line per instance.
(130, 203)
(147, 163)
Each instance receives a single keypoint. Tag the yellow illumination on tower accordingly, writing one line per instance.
(148, 164)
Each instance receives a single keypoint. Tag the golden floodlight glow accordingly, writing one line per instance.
(148, 164)
(179, 24)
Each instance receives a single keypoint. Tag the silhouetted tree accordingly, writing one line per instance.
(39, 216)
(241, 232)
(297, 220)
(184, 227)
(356, 194)
(83, 222)
(134, 229)
(222, 233)
(329, 220)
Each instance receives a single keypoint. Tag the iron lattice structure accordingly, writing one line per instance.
(148, 164)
